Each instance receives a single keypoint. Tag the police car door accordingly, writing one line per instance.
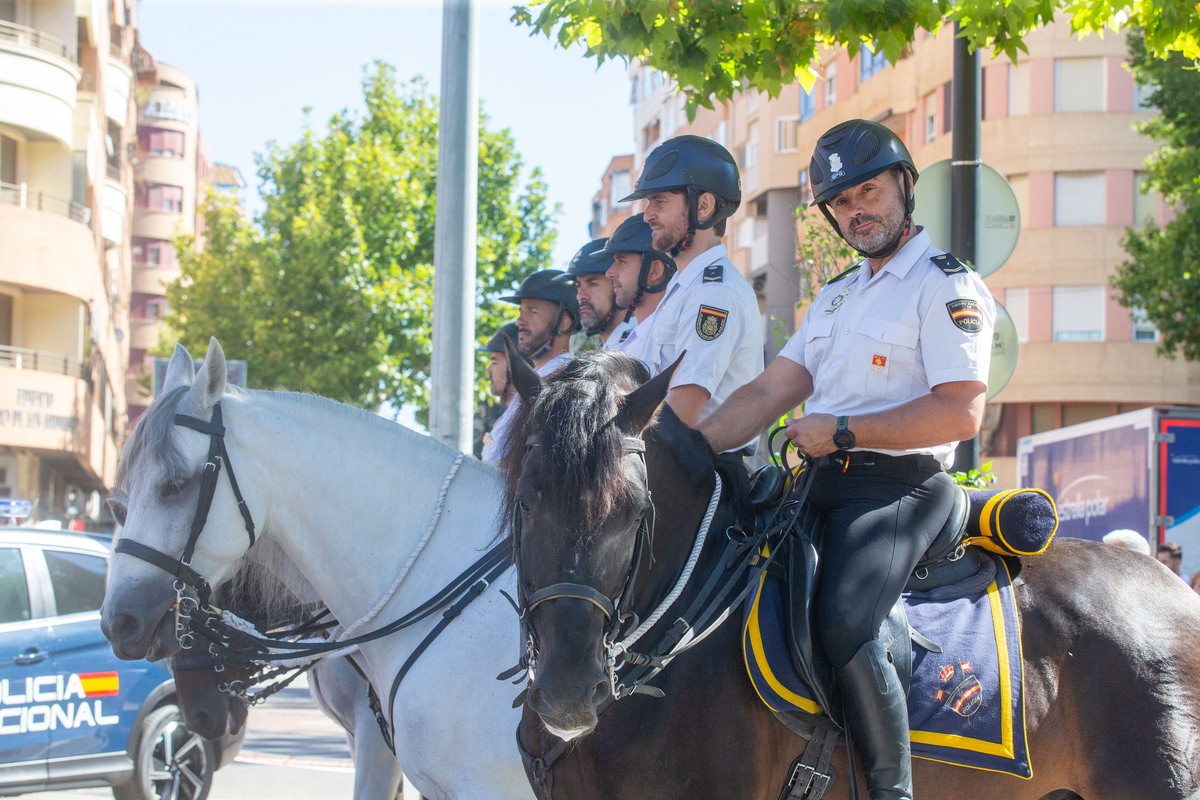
(25, 645)
(88, 676)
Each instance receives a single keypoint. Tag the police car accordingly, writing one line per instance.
(72, 714)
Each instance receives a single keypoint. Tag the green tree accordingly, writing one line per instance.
(1162, 275)
(330, 289)
(712, 47)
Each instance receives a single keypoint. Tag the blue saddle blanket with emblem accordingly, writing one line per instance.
(965, 704)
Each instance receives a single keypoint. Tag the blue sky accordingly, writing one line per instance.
(258, 63)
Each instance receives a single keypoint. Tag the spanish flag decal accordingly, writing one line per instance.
(100, 684)
(965, 314)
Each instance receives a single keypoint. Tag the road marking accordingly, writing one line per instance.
(268, 760)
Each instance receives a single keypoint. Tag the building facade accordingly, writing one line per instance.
(607, 209)
(66, 189)
(1058, 124)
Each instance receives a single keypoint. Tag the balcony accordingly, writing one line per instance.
(45, 246)
(42, 77)
(118, 86)
(113, 208)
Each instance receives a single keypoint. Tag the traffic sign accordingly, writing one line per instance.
(1004, 352)
(998, 223)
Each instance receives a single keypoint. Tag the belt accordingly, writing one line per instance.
(879, 463)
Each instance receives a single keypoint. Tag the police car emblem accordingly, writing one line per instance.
(965, 315)
(835, 166)
(710, 322)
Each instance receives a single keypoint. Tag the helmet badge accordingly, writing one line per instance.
(835, 167)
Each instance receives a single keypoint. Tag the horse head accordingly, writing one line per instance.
(579, 506)
(160, 487)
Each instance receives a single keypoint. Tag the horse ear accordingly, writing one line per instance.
(641, 404)
(209, 386)
(180, 371)
(525, 379)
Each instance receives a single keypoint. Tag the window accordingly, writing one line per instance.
(930, 116)
(1143, 329)
(948, 106)
(1078, 198)
(1018, 90)
(650, 135)
(154, 255)
(1078, 84)
(618, 188)
(1142, 95)
(746, 232)
(153, 309)
(1078, 313)
(751, 96)
(669, 120)
(807, 105)
(831, 84)
(14, 591)
(8, 159)
(78, 580)
(158, 142)
(1145, 201)
(750, 162)
(785, 134)
(806, 194)
(721, 133)
(1016, 303)
(870, 63)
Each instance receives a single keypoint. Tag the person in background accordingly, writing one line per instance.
(639, 275)
(1171, 554)
(602, 317)
(499, 383)
(1130, 540)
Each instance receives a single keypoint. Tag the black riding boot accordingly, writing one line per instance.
(876, 715)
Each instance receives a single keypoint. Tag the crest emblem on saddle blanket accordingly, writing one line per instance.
(961, 691)
(710, 322)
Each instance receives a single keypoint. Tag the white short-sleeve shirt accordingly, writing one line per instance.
(710, 310)
(874, 342)
(637, 340)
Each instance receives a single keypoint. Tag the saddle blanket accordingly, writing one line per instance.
(965, 704)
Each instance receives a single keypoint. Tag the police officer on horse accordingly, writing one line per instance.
(891, 362)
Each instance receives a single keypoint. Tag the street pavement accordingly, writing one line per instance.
(291, 751)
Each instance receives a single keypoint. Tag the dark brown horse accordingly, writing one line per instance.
(1111, 640)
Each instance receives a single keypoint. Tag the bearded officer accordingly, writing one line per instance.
(602, 317)
(892, 359)
(691, 187)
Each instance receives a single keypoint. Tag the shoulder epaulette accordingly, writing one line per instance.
(841, 275)
(948, 264)
(714, 273)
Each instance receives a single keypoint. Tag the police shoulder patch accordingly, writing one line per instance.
(965, 314)
(841, 275)
(710, 322)
(714, 273)
(948, 264)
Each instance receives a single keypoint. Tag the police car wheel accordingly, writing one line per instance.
(170, 761)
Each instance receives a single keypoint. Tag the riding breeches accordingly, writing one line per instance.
(882, 513)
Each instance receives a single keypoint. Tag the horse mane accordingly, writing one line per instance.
(572, 418)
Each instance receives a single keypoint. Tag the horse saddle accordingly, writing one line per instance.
(944, 562)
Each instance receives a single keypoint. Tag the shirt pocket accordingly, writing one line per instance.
(891, 362)
(818, 343)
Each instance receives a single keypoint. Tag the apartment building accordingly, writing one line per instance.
(607, 209)
(66, 134)
(1057, 124)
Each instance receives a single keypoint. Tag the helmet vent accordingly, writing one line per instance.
(866, 148)
(815, 174)
(661, 167)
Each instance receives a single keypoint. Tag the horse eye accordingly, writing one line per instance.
(172, 488)
(523, 507)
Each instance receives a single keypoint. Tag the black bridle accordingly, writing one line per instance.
(181, 567)
(616, 612)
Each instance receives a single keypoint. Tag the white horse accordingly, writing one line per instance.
(354, 503)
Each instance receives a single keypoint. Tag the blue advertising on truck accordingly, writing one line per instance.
(1139, 470)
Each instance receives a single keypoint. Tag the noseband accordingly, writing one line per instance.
(615, 612)
(181, 567)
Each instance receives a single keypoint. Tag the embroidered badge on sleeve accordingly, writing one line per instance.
(710, 322)
(965, 314)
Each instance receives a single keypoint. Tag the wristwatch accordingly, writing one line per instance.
(843, 437)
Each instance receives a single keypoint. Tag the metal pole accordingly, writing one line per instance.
(451, 395)
(964, 182)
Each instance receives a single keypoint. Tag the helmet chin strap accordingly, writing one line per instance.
(604, 323)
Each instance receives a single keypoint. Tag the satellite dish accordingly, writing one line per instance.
(1004, 352)
(998, 218)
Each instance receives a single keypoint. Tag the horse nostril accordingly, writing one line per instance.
(599, 693)
(536, 701)
(121, 628)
